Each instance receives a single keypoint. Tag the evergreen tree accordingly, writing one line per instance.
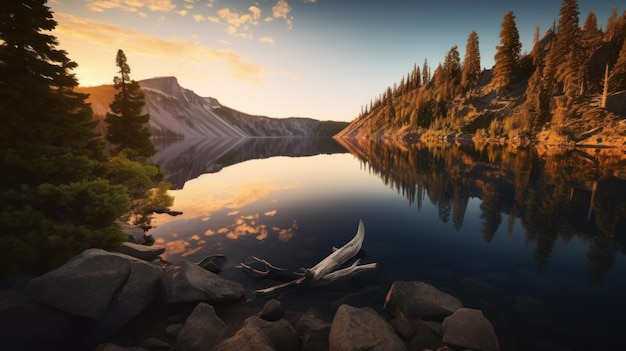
(425, 72)
(52, 202)
(590, 42)
(471, 62)
(617, 78)
(507, 53)
(569, 62)
(127, 126)
(452, 73)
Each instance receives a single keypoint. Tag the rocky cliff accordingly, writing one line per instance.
(179, 112)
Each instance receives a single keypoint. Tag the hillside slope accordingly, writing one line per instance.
(179, 112)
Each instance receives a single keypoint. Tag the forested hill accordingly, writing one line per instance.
(570, 88)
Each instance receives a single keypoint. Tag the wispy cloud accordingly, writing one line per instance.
(282, 10)
(112, 36)
(268, 40)
(238, 23)
(131, 5)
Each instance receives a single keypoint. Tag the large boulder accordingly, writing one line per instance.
(186, 282)
(407, 299)
(362, 329)
(469, 329)
(109, 288)
(202, 330)
(261, 335)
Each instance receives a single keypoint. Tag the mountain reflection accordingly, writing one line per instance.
(555, 194)
(184, 159)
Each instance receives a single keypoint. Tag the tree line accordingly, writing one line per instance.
(64, 188)
(571, 65)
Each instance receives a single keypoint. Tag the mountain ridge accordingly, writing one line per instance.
(181, 113)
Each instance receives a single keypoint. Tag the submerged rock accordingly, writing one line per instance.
(468, 328)
(407, 299)
(362, 329)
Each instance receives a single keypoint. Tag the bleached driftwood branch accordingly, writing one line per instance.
(325, 272)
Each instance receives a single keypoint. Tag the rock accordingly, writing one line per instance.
(261, 335)
(468, 328)
(142, 252)
(362, 329)
(114, 347)
(85, 285)
(419, 300)
(313, 331)
(213, 263)
(155, 344)
(186, 282)
(131, 299)
(110, 288)
(424, 336)
(173, 329)
(403, 328)
(272, 311)
(135, 234)
(29, 325)
(202, 330)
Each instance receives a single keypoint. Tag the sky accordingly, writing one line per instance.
(322, 59)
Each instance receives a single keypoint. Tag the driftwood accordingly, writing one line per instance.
(325, 272)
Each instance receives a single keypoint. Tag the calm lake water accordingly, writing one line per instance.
(535, 239)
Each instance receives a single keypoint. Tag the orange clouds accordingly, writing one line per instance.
(111, 37)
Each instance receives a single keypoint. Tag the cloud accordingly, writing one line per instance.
(113, 37)
(268, 40)
(282, 10)
(198, 18)
(131, 5)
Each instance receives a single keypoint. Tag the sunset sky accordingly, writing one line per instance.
(281, 58)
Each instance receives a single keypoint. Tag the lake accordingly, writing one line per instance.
(535, 238)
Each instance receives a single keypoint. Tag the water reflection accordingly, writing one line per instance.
(185, 159)
(555, 194)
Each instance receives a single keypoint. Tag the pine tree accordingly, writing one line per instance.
(471, 62)
(617, 78)
(591, 37)
(53, 203)
(507, 53)
(451, 73)
(425, 73)
(569, 62)
(127, 126)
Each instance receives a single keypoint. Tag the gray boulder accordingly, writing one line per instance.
(261, 335)
(407, 299)
(83, 286)
(202, 330)
(186, 282)
(468, 328)
(110, 288)
(362, 329)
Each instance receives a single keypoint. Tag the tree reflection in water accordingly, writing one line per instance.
(555, 193)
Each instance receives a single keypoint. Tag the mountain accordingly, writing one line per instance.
(179, 112)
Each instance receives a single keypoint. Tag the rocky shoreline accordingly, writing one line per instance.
(130, 300)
